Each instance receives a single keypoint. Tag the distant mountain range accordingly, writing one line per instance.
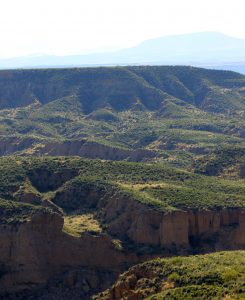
(205, 49)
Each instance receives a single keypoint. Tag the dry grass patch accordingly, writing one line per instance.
(80, 223)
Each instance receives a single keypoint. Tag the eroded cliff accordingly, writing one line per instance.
(177, 231)
(83, 148)
(37, 250)
(111, 222)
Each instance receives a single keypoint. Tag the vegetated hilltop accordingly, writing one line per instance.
(157, 185)
(211, 276)
(171, 114)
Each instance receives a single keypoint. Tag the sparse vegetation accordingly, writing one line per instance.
(78, 223)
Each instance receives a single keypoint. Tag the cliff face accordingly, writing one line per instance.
(33, 252)
(23, 245)
(174, 232)
(179, 231)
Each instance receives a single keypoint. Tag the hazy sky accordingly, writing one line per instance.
(75, 26)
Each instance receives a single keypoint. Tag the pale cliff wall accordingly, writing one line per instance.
(177, 230)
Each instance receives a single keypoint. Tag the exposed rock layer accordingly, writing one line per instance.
(81, 148)
(35, 251)
(179, 230)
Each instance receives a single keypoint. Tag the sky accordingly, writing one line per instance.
(63, 27)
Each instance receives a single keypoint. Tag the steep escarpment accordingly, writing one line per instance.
(145, 204)
(176, 231)
(14, 144)
(37, 250)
